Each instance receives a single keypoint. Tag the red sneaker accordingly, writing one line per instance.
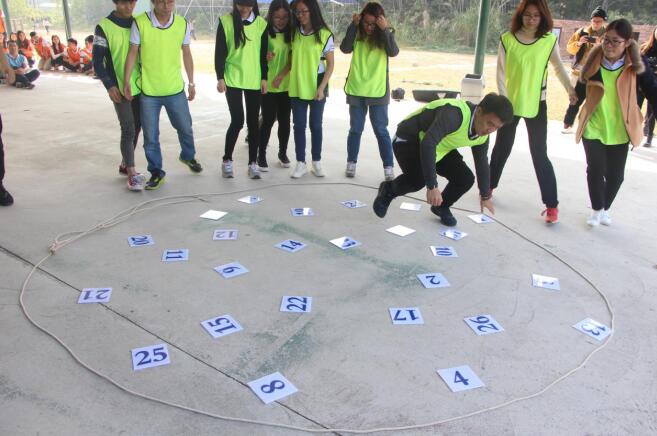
(551, 215)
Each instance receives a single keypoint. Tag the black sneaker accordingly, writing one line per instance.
(445, 215)
(192, 164)
(282, 158)
(262, 163)
(156, 180)
(5, 197)
(383, 200)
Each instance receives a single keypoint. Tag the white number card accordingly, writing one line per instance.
(460, 378)
(148, 357)
(214, 215)
(481, 218)
(353, 204)
(290, 246)
(302, 211)
(231, 270)
(345, 242)
(546, 282)
(296, 304)
(593, 328)
(483, 325)
(411, 206)
(140, 241)
(250, 199)
(220, 326)
(454, 234)
(225, 235)
(443, 251)
(406, 315)
(175, 255)
(433, 280)
(400, 231)
(95, 295)
(272, 387)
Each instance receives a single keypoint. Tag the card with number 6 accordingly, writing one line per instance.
(231, 270)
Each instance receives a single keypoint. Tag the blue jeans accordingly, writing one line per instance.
(379, 120)
(178, 112)
(299, 115)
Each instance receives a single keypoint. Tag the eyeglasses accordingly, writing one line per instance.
(369, 25)
(300, 12)
(531, 17)
(612, 42)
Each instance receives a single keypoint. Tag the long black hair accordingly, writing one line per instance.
(316, 19)
(378, 37)
(274, 7)
(238, 25)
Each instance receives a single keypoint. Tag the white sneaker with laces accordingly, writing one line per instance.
(605, 219)
(317, 169)
(300, 170)
(567, 131)
(350, 171)
(388, 174)
(136, 182)
(227, 169)
(594, 219)
(254, 172)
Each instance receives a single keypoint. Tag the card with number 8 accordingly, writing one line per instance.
(272, 387)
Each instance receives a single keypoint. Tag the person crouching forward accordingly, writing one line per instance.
(426, 144)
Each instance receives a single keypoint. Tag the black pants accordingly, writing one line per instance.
(460, 178)
(649, 123)
(605, 171)
(275, 106)
(70, 67)
(28, 77)
(537, 133)
(236, 108)
(2, 156)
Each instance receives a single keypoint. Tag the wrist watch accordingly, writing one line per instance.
(191, 84)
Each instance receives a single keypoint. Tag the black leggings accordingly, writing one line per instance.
(537, 133)
(459, 177)
(2, 155)
(605, 171)
(234, 99)
(275, 106)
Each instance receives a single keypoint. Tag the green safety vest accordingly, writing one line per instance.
(457, 139)
(606, 123)
(306, 55)
(526, 71)
(281, 50)
(161, 74)
(243, 64)
(118, 40)
(368, 73)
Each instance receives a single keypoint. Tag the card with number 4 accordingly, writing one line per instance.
(433, 280)
(220, 326)
(95, 295)
(483, 325)
(593, 328)
(232, 269)
(460, 378)
(296, 304)
(454, 234)
(272, 387)
(345, 242)
(546, 282)
(481, 218)
(353, 204)
(290, 246)
(443, 251)
(250, 199)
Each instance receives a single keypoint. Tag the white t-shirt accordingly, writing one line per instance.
(330, 46)
(135, 38)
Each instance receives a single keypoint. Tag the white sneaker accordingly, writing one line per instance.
(227, 169)
(136, 182)
(254, 172)
(388, 174)
(317, 169)
(605, 219)
(568, 131)
(594, 219)
(300, 170)
(350, 171)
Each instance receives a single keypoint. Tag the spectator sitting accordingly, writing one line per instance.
(13, 37)
(25, 47)
(57, 51)
(3, 43)
(18, 63)
(72, 56)
(86, 55)
(41, 47)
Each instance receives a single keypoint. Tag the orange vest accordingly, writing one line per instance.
(73, 55)
(87, 59)
(42, 49)
(27, 52)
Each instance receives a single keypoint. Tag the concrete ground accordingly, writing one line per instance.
(353, 368)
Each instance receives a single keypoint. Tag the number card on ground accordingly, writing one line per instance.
(95, 295)
(221, 326)
(296, 304)
(460, 378)
(481, 218)
(546, 282)
(214, 215)
(250, 199)
(433, 280)
(443, 251)
(353, 204)
(272, 387)
(483, 324)
(454, 234)
(593, 328)
(175, 255)
(411, 206)
(345, 242)
(140, 241)
(291, 246)
(400, 231)
(406, 315)
(225, 235)
(232, 269)
(302, 211)
(148, 357)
